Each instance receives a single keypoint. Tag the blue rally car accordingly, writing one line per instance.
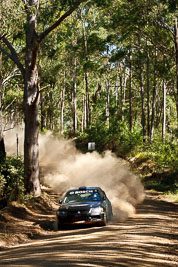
(84, 205)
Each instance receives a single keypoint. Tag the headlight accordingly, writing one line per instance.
(61, 212)
(96, 211)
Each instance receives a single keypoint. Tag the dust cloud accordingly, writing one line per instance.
(63, 167)
(13, 138)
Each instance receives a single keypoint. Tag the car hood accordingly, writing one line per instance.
(80, 205)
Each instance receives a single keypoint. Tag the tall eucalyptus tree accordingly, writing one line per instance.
(29, 71)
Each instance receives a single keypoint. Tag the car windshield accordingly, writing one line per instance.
(82, 196)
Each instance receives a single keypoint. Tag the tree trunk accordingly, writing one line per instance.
(107, 102)
(148, 93)
(176, 48)
(50, 109)
(83, 113)
(142, 93)
(117, 86)
(87, 101)
(117, 93)
(85, 43)
(122, 93)
(164, 111)
(2, 145)
(43, 114)
(62, 109)
(123, 82)
(31, 100)
(153, 104)
(75, 96)
(130, 96)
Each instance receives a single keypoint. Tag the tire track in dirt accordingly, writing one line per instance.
(147, 239)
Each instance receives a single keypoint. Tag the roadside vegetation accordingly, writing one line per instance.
(11, 180)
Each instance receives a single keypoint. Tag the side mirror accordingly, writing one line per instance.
(60, 201)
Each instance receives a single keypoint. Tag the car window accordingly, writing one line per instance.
(103, 196)
(82, 196)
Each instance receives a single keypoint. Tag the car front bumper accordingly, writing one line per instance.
(79, 218)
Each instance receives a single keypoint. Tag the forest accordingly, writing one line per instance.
(94, 71)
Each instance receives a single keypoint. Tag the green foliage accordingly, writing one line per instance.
(117, 138)
(124, 140)
(11, 180)
(172, 196)
(163, 181)
(158, 163)
(96, 41)
(118, 55)
(165, 153)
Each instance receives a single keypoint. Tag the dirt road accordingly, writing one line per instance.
(147, 239)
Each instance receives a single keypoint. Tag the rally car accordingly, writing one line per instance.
(84, 205)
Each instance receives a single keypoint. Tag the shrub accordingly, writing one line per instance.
(11, 180)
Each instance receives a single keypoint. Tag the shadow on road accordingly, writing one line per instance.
(147, 239)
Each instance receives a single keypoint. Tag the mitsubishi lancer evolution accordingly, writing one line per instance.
(84, 205)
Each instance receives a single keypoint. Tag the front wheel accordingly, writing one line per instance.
(60, 226)
(105, 220)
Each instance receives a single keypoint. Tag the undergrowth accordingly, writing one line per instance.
(11, 180)
(157, 163)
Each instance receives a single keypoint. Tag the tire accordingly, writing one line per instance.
(105, 221)
(60, 226)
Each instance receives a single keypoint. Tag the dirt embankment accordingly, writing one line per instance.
(20, 223)
(149, 238)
